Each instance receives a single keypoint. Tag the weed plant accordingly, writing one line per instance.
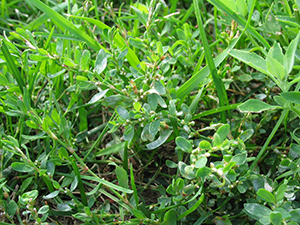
(151, 112)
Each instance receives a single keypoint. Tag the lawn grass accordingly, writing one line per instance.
(153, 112)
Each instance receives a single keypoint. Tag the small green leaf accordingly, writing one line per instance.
(51, 195)
(152, 101)
(97, 97)
(275, 68)
(74, 184)
(295, 213)
(292, 96)
(276, 218)
(21, 167)
(123, 113)
(257, 211)
(251, 59)
(154, 127)
(101, 62)
(171, 164)
(240, 159)
(164, 135)
(44, 209)
(12, 208)
(266, 195)
(201, 162)
(122, 177)
(159, 88)
(170, 218)
(256, 106)
(184, 144)
(203, 172)
(137, 106)
(223, 131)
(129, 133)
(290, 54)
(279, 194)
(141, 15)
(85, 60)
(205, 145)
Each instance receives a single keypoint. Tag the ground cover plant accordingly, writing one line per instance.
(151, 112)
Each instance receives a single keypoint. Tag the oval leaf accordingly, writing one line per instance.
(184, 144)
(21, 167)
(164, 135)
(256, 106)
(266, 195)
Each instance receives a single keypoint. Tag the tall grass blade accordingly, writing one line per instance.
(196, 79)
(12, 66)
(62, 22)
(223, 99)
(43, 18)
(240, 20)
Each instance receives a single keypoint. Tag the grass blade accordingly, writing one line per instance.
(240, 20)
(12, 66)
(263, 149)
(195, 80)
(62, 22)
(223, 99)
(43, 18)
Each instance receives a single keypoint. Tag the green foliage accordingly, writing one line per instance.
(179, 112)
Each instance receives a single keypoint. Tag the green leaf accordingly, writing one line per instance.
(223, 131)
(251, 59)
(292, 96)
(101, 62)
(266, 195)
(159, 88)
(170, 218)
(201, 162)
(222, 221)
(152, 101)
(276, 218)
(240, 159)
(171, 164)
(44, 209)
(12, 208)
(295, 213)
(275, 68)
(96, 97)
(123, 113)
(255, 106)
(111, 150)
(164, 135)
(137, 106)
(122, 177)
(279, 194)
(129, 133)
(21, 167)
(205, 145)
(290, 54)
(154, 127)
(203, 172)
(51, 195)
(257, 211)
(187, 171)
(184, 144)
(244, 136)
